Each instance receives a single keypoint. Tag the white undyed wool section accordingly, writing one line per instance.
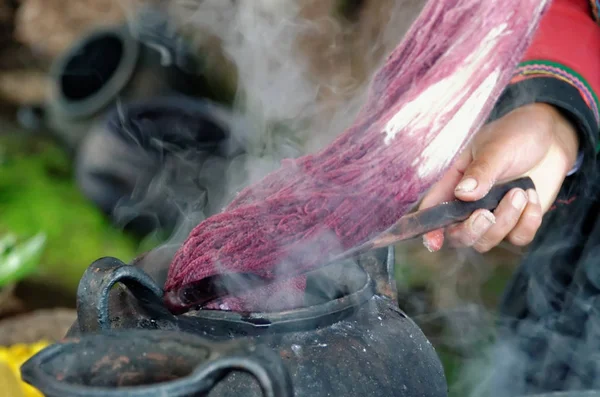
(425, 113)
(447, 143)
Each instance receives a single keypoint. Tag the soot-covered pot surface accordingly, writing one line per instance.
(351, 338)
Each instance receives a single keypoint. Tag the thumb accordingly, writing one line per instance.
(486, 168)
(443, 190)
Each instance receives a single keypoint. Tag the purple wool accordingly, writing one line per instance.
(431, 96)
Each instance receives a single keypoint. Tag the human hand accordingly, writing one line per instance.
(534, 140)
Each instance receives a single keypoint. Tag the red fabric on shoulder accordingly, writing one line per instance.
(569, 35)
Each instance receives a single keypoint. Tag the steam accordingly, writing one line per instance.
(290, 97)
(300, 76)
(289, 293)
(291, 104)
(289, 101)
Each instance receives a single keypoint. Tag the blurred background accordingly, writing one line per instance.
(88, 89)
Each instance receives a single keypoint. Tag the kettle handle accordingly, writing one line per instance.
(265, 365)
(93, 292)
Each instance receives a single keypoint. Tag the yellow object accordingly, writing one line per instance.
(11, 359)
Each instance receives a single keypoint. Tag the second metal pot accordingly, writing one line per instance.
(113, 64)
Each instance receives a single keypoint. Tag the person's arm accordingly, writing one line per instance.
(562, 68)
(544, 122)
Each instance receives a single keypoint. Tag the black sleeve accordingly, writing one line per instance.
(569, 101)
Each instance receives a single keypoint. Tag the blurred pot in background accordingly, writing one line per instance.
(110, 65)
(151, 163)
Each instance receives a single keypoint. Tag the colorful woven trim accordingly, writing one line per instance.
(530, 69)
(595, 5)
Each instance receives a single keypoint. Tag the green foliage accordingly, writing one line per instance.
(38, 195)
(19, 260)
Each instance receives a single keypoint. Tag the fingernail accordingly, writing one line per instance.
(519, 200)
(466, 185)
(434, 240)
(483, 222)
(533, 196)
(427, 244)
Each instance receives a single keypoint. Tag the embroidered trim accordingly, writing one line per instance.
(532, 69)
(562, 203)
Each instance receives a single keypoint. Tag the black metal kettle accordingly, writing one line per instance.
(349, 339)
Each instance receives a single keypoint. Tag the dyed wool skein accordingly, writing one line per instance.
(433, 93)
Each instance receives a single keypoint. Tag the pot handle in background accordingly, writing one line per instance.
(95, 287)
(264, 364)
(151, 363)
